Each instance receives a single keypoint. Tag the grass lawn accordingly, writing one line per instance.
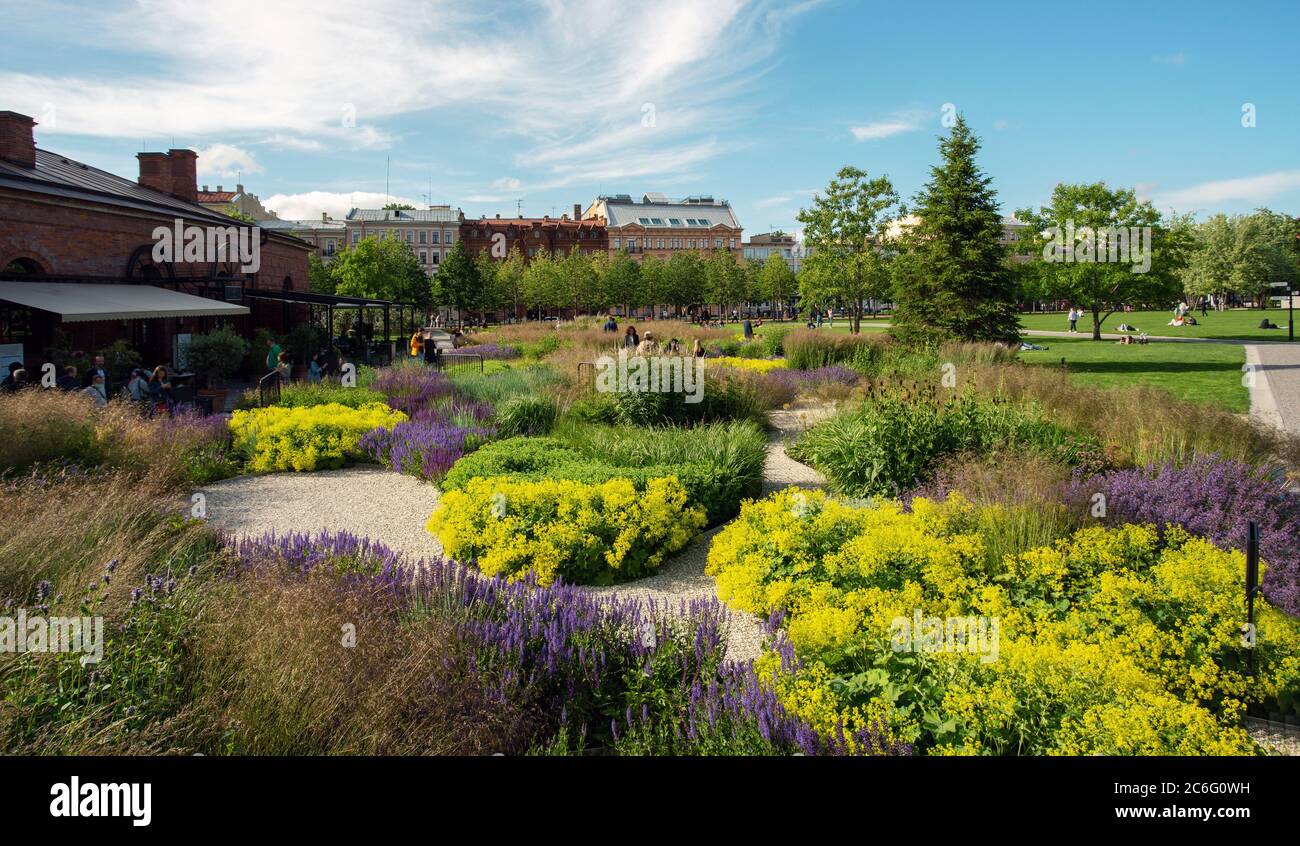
(1207, 373)
(1238, 323)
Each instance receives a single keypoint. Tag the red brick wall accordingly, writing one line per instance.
(76, 238)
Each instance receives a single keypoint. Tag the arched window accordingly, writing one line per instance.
(23, 267)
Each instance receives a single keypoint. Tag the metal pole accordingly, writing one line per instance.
(1252, 585)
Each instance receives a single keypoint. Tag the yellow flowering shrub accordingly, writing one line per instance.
(320, 437)
(758, 365)
(579, 532)
(1118, 640)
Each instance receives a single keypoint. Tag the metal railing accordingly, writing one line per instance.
(268, 388)
(448, 360)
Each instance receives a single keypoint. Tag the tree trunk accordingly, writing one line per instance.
(1096, 323)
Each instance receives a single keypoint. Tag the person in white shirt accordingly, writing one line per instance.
(96, 391)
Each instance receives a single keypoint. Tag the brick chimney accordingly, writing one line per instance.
(185, 184)
(17, 144)
(174, 172)
(577, 211)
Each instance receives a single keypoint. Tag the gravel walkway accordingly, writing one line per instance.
(367, 501)
(1280, 364)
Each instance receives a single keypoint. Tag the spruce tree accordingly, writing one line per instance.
(953, 281)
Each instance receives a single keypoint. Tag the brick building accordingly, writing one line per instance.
(662, 226)
(532, 235)
(93, 233)
(327, 235)
(223, 202)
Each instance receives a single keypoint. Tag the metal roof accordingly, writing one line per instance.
(80, 302)
(620, 214)
(444, 214)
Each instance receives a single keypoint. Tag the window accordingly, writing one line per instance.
(433, 237)
(451, 237)
(691, 243)
(433, 257)
(424, 237)
(616, 243)
(717, 243)
(410, 235)
(657, 221)
(631, 243)
(674, 221)
(732, 244)
(356, 236)
(329, 247)
(424, 256)
(659, 245)
(644, 221)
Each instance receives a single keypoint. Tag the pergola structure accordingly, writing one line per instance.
(329, 302)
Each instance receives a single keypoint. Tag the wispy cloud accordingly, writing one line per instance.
(1250, 189)
(1179, 58)
(563, 76)
(895, 124)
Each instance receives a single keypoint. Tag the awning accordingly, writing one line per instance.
(80, 302)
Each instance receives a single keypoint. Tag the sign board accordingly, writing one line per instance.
(234, 293)
(181, 351)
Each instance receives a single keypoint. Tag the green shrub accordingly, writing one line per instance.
(718, 465)
(526, 415)
(582, 533)
(726, 396)
(892, 441)
(809, 349)
(771, 341)
(501, 381)
(219, 354)
(320, 437)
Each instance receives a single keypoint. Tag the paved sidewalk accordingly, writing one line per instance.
(1280, 371)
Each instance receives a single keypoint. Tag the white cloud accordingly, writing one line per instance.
(563, 76)
(769, 202)
(225, 160)
(507, 182)
(895, 124)
(1250, 189)
(309, 205)
(1179, 58)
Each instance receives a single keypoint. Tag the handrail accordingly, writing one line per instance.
(269, 385)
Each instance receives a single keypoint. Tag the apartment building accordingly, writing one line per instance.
(661, 226)
(760, 247)
(238, 200)
(429, 232)
(533, 235)
(327, 235)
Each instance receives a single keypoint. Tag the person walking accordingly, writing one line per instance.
(417, 344)
(1074, 319)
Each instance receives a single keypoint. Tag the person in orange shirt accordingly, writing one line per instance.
(417, 344)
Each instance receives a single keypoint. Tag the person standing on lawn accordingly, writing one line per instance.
(1074, 319)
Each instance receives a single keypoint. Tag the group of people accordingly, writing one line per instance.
(147, 387)
(647, 344)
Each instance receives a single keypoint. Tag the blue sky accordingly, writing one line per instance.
(551, 103)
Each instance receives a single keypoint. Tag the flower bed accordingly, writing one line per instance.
(561, 529)
(1215, 499)
(318, 437)
(426, 447)
(1111, 641)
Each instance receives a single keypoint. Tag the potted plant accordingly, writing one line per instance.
(218, 355)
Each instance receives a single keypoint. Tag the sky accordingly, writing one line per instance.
(498, 108)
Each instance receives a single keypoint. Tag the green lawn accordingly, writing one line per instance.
(1238, 323)
(1207, 373)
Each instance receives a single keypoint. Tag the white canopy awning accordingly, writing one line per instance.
(80, 301)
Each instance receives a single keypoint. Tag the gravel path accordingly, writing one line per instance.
(367, 501)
